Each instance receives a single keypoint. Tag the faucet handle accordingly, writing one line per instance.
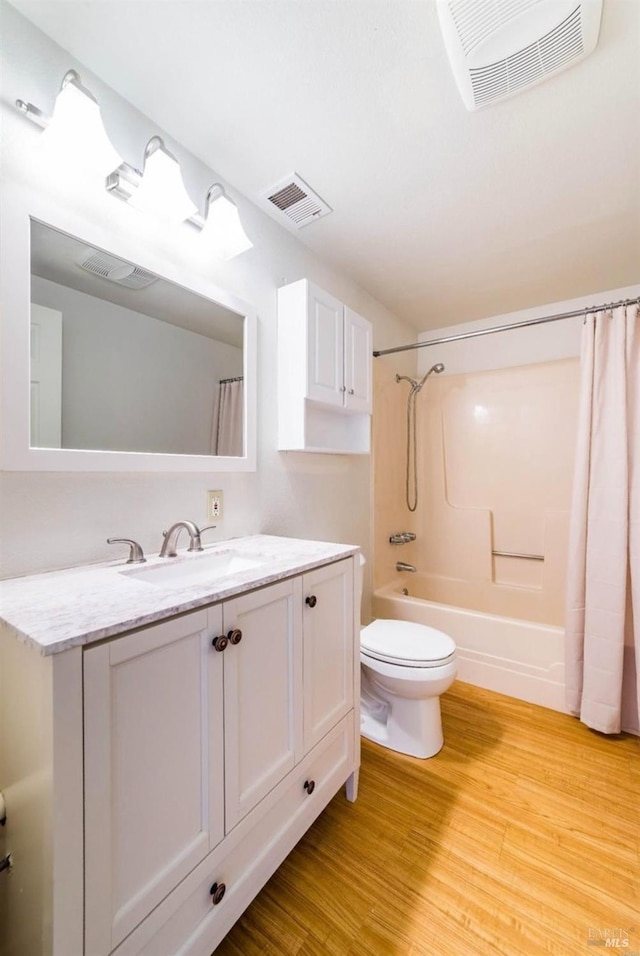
(196, 543)
(136, 554)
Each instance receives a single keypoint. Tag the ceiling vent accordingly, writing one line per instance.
(297, 201)
(115, 270)
(500, 47)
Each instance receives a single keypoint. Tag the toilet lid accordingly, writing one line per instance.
(406, 643)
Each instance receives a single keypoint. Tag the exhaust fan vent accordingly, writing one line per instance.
(295, 200)
(115, 270)
(499, 47)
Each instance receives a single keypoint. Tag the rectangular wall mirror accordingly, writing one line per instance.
(126, 367)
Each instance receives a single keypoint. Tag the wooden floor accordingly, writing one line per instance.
(521, 837)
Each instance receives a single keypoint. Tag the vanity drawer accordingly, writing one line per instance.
(188, 923)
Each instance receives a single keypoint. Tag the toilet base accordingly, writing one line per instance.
(410, 726)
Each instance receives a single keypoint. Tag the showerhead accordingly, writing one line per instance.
(416, 386)
(437, 368)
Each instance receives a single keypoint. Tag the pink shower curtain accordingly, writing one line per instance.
(602, 645)
(227, 437)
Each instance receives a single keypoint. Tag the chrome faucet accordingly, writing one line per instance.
(168, 549)
(401, 566)
(136, 554)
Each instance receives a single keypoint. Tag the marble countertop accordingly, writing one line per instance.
(61, 609)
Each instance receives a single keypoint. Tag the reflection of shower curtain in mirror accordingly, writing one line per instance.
(226, 435)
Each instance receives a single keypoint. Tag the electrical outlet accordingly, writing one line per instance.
(214, 505)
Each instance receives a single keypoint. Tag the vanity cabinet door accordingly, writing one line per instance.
(262, 694)
(154, 799)
(328, 629)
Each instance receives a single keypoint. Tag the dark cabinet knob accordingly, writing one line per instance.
(312, 600)
(309, 786)
(235, 635)
(220, 642)
(217, 891)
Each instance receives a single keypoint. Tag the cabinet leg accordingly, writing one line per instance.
(351, 786)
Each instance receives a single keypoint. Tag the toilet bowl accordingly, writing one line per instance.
(405, 667)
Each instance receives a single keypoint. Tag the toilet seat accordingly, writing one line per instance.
(406, 644)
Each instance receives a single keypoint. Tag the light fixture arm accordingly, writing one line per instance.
(154, 144)
(41, 119)
(215, 192)
(33, 113)
(71, 76)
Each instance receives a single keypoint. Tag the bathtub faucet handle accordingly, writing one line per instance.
(402, 537)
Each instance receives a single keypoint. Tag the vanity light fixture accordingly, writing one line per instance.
(75, 130)
(222, 226)
(161, 190)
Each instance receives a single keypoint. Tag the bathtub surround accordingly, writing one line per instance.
(603, 592)
(495, 456)
(496, 463)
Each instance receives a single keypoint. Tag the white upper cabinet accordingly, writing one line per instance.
(324, 372)
(325, 351)
(358, 352)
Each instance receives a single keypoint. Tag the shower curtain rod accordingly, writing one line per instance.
(505, 328)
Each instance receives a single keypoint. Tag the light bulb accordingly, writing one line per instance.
(223, 227)
(76, 133)
(161, 191)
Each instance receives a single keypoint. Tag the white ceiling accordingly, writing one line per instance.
(443, 215)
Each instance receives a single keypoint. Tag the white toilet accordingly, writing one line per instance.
(405, 667)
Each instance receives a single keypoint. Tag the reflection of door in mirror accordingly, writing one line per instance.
(46, 377)
(141, 357)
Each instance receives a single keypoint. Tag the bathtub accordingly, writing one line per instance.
(520, 658)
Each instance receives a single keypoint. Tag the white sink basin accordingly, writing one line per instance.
(197, 569)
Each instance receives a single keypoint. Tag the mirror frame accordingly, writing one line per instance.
(19, 208)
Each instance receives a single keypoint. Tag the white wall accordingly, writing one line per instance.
(538, 343)
(131, 382)
(52, 520)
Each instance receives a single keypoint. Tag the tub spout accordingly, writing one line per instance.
(401, 566)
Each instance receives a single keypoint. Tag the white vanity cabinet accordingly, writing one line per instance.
(328, 659)
(324, 372)
(185, 767)
(262, 695)
(153, 769)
